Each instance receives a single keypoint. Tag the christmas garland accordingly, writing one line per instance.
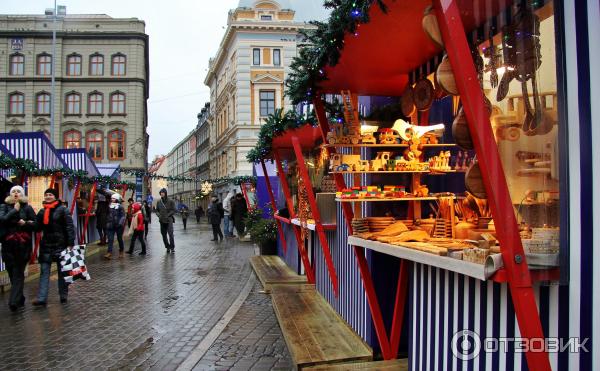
(237, 180)
(323, 46)
(27, 166)
(275, 125)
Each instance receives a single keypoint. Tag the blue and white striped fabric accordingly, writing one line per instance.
(33, 146)
(111, 170)
(78, 159)
(6, 173)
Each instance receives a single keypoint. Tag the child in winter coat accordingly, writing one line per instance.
(137, 228)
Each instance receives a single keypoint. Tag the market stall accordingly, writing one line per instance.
(482, 94)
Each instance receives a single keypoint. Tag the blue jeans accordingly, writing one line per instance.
(63, 287)
(111, 238)
(228, 225)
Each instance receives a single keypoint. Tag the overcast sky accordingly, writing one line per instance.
(187, 32)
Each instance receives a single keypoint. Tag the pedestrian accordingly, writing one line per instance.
(215, 214)
(102, 216)
(199, 212)
(136, 230)
(115, 225)
(58, 234)
(185, 213)
(239, 211)
(147, 217)
(227, 221)
(166, 217)
(17, 222)
(129, 211)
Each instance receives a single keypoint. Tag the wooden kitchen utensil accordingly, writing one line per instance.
(474, 181)
(423, 94)
(445, 77)
(407, 103)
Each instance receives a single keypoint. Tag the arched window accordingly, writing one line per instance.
(118, 65)
(72, 139)
(16, 104)
(95, 103)
(96, 65)
(17, 65)
(94, 142)
(42, 103)
(116, 145)
(74, 65)
(73, 104)
(44, 64)
(117, 103)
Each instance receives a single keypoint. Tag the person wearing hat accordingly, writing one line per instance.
(17, 222)
(136, 229)
(115, 225)
(165, 208)
(58, 234)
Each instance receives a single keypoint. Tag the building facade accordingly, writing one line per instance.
(202, 151)
(246, 77)
(158, 167)
(179, 164)
(101, 71)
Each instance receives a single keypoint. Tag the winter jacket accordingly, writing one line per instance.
(9, 218)
(227, 202)
(185, 214)
(239, 209)
(215, 213)
(139, 225)
(57, 235)
(116, 216)
(165, 208)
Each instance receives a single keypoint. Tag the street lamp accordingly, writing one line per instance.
(63, 11)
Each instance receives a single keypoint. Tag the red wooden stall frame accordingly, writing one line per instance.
(310, 274)
(274, 206)
(83, 238)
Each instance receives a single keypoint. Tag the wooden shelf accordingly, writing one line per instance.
(386, 145)
(312, 226)
(386, 199)
(479, 271)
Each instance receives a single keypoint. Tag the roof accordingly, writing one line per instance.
(33, 146)
(306, 10)
(78, 159)
(111, 170)
(386, 72)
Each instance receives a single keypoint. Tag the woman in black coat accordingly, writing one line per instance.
(17, 222)
(239, 211)
(58, 234)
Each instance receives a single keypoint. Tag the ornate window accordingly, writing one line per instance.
(17, 65)
(16, 104)
(94, 142)
(95, 103)
(267, 102)
(118, 65)
(74, 65)
(72, 139)
(44, 64)
(277, 57)
(96, 65)
(117, 103)
(42, 103)
(73, 104)
(116, 145)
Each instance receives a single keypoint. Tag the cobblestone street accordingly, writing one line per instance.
(150, 313)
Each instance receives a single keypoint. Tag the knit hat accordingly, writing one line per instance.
(136, 207)
(115, 196)
(53, 191)
(163, 190)
(19, 188)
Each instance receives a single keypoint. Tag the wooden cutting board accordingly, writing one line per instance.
(407, 103)
(445, 77)
(424, 92)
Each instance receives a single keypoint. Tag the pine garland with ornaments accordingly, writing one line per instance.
(323, 45)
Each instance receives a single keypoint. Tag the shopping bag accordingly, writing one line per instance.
(72, 263)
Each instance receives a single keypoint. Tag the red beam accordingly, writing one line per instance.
(75, 193)
(316, 215)
(401, 292)
(519, 279)
(87, 214)
(274, 206)
(310, 274)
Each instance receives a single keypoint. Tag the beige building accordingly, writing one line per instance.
(246, 77)
(101, 74)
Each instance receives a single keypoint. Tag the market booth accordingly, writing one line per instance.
(482, 89)
(81, 194)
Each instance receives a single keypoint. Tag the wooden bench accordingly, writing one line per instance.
(314, 333)
(393, 365)
(271, 270)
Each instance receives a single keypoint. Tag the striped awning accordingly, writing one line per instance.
(33, 146)
(78, 159)
(6, 173)
(111, 170)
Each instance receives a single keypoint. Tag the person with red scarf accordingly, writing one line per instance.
(136, 229)
(58, 234)
(17, 222)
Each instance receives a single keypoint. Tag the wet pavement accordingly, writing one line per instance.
(149, 312)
